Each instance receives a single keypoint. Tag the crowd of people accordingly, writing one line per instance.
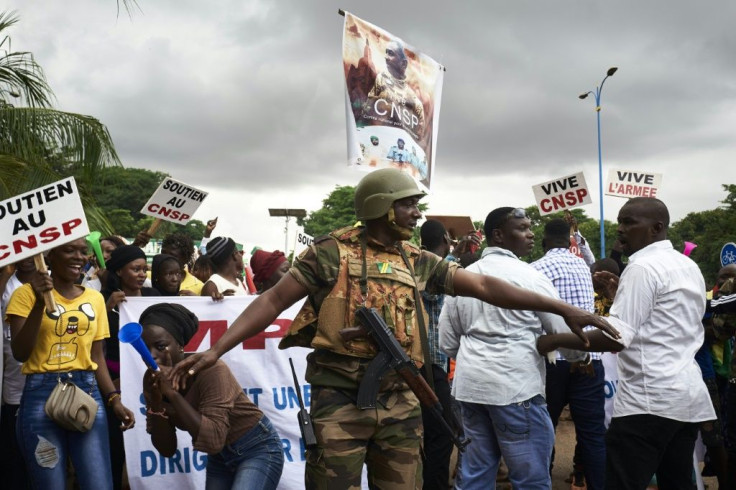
(505, 344)
(79, 343)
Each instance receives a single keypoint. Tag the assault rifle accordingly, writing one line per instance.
(391, 355)
(305, 421)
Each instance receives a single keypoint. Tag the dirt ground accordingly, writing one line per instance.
(564, 450)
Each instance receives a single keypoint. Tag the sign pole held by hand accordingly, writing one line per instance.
(48, 296)
(154, 226)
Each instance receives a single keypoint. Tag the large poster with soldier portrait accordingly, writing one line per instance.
(392, 101)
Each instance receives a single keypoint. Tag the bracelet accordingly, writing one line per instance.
(111, 396)
(161, 414)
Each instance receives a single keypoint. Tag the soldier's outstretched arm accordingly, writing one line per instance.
(254, 319)
(505, 295)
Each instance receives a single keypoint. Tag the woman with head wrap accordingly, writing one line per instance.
(67, 343)
(227, 264)
(166, 275)
(268, 268)
(126, 273)
(243, 449)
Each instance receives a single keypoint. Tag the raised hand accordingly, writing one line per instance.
(142, 238)
(468, 243)
(608, 282)
(114, 300)
(210, 227)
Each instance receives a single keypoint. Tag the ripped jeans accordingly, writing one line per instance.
(45, 446)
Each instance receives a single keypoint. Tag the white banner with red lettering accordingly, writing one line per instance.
(40, 220)
(559, 194)
(262, 369)
(630, 183)
(174, 201)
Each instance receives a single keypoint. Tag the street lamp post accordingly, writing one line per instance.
(288, 214)
(597, 95)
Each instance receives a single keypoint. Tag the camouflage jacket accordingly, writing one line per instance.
(331, 270)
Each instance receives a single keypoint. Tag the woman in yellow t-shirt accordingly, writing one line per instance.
(67, 345)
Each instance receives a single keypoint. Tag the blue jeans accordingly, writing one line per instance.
(522, 433)
(254, 461)
(45, 445)
(585, 393)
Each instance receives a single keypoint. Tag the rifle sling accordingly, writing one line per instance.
(420, 320)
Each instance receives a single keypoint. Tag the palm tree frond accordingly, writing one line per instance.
(96, 218)
(20, 75)
(33, 135)
(129, 5)
(17, 176)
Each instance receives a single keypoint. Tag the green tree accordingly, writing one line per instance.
(591, 230)
(121, 194)
(127, 188)
(33, 134)
(730, 200)
(710, 230)
(337, 211)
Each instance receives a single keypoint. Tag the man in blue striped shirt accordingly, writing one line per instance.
(579, 384)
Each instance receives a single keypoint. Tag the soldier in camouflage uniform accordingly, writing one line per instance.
(373, 266)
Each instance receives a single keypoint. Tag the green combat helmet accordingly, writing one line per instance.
(378, 190)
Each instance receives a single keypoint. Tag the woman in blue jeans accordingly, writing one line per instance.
(244, 450)
(66, 345)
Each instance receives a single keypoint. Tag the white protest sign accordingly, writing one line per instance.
(40, 220)
(563, 193)
(301, 241)
(630, 183)
(174, 201)
(610, 385)
(262, 370)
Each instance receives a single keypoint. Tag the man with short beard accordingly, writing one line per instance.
(661, 397)
(499, 376)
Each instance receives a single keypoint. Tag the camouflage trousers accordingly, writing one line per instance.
(387, 439)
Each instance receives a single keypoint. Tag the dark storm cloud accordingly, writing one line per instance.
(249, 95)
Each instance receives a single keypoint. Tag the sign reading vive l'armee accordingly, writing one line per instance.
(632, 183)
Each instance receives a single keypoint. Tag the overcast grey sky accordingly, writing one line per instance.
(245, 99)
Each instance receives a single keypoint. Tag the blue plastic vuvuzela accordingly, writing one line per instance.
(131, 334)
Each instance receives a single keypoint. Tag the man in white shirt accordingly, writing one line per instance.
(499, 376)
(661, 396)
